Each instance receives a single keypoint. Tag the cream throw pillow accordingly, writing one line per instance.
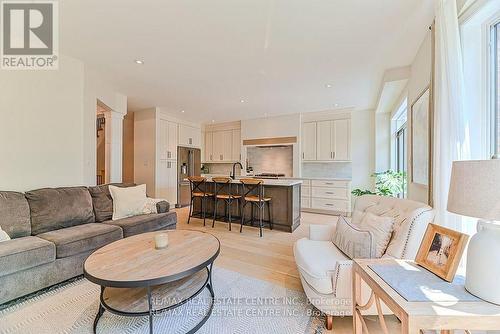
(3, 235)
(129, 201)
(352, 241)
(381, 229)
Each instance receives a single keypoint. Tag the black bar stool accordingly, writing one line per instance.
(198, 186)
(253, 193)
(223, 191)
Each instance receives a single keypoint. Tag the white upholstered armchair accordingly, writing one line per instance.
(325, 271)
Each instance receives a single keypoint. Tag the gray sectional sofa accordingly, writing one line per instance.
(53, 231)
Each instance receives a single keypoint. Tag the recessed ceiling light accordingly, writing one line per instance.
(138, 61)
(182, 111)
(242, 101)
(328, 86)
(336, 104)
(213, 121)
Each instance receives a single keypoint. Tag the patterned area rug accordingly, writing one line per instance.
(243, 305)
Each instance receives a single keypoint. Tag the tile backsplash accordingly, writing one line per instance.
(222, 169)
(271, 159)
(327, 170)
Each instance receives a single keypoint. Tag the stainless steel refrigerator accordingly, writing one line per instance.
(188, 164)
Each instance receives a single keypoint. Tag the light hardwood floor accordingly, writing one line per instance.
(269, 258)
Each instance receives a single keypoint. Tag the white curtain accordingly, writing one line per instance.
(451, 138)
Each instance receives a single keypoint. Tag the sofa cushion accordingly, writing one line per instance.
(24, 253)
(145, 223)
(317, 261)
(82, 238)
(102, 201)
(15, 214)
(56, 208)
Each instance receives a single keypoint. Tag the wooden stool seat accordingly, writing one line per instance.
(198, 194)
(257, 199)
(224, 196)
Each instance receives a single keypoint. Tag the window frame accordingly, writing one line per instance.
(493, 89)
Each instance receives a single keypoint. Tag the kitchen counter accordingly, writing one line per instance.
(285, 194)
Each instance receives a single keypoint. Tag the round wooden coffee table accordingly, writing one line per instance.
(138, 280)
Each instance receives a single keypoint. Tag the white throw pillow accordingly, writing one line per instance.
(3, 235)
(381, 229)
(129, 201)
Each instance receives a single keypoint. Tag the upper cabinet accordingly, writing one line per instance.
(189, 136)
(326, 140)
(309, 141)
(222, 143)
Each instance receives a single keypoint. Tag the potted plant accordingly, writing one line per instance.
(388, 183)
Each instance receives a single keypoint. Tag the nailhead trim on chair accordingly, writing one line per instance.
(337, 277)
(409, 233)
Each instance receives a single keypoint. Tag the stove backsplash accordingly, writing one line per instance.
(271, 159)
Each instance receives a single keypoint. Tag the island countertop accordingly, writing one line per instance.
(268, 182)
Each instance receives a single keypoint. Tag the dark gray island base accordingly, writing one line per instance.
(285, 208)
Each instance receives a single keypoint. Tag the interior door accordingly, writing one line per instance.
(341, 139)
(324, 140)
(309, 141)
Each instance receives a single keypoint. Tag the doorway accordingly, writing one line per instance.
(101, 109)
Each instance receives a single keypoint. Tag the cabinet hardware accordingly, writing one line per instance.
(333, 155)
(329, 192)
(169, 155)
(221, 157)
(328, 204)
(303, 155)
(190, 141)
(211, 157)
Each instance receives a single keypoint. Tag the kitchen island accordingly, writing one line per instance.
(285, 203)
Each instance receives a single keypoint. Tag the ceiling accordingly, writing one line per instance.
(279, 56)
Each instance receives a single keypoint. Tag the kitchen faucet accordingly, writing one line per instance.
(233, 175)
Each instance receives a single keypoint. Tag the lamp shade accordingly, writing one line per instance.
(475, 189)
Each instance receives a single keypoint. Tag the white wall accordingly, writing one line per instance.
(280, 126)
(419, 80)
(363, 148)
(41, 129)
(47, 128)
(382, 141)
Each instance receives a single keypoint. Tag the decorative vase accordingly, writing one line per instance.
(483, 263)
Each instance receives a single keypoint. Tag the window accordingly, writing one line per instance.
(400, 134)
(495, 90)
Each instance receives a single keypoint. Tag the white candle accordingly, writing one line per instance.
(161, 240)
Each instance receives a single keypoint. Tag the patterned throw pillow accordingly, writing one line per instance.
(352, 241)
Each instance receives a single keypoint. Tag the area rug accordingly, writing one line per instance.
(243, 305)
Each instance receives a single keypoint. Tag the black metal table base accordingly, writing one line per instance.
(208, 284)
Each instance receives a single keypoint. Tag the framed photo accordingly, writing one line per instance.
(441, 251)
(420, 139)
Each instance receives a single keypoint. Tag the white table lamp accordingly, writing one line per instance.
(475, 192)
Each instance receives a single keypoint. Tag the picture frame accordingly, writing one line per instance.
(420, 133)
(441, 250)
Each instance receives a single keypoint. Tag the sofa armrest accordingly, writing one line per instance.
(321, 232)
(342, 280)
(162, 207)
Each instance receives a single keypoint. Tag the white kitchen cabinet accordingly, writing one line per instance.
(209, 139)
(167, 139)
(341, 139)
(326, 196)
(189, 136)
(328, 140)
(236, 145)
(173, 140)
(309, 141)
(324, 141)
(166, 185)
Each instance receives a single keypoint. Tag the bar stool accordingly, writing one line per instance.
(198, 186)
(253, 193)
(223, 191)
